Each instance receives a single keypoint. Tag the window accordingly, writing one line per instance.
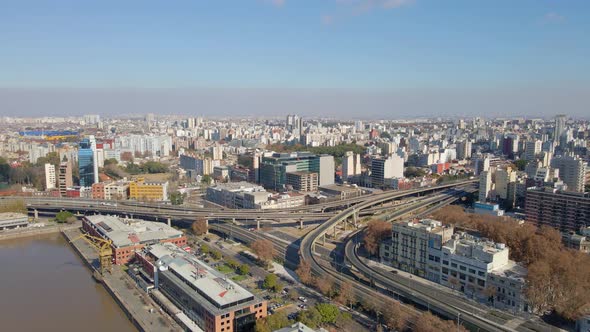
(462, 268)
(472, 271)
(454, 265)
(445, 262)
(481, 274)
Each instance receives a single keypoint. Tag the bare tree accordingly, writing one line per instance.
(263, 249)
(325, 285)
(199, 227)
(376, 231)
(346, 294)
(394, 315)
(304, 272)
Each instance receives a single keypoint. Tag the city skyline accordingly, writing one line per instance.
(260, 57)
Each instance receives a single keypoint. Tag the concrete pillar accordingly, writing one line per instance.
(334, 231)
(169, 222)
(355, 216)
(324, 239)
(300, 223)
(36, 214)
(257, 224)
(207, 226)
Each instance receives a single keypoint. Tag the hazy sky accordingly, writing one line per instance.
(361, 58)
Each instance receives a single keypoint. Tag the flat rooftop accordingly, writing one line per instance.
(216, 287)
(127, 232)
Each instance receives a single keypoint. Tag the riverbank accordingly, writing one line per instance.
(37, 231)
(138, 306)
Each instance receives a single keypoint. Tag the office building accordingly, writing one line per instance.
(572, 171)
(130, 235)
(50, 176)
(303, 181)
(274, 168)
(87, 163)
(464, 149)
(244, 195)
(564, 210)
(211, 300)
(140, 189)
(65, 179)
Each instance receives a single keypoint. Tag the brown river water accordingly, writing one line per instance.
(44, 286)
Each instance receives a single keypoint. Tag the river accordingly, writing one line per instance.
(44, 286)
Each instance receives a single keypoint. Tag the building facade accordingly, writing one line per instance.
(563, 210)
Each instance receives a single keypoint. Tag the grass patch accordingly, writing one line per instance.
(239, 278)
(224, 269)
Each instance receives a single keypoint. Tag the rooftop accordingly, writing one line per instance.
(127, 232)
(208, 282)
(239, 186)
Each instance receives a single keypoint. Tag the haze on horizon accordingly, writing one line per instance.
(348, 58)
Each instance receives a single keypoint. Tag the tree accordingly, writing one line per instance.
(394, 315)
(216, 255)
(325, 285)
(232, 263)
(62, 216)
(199, 226)
(376, 232)
(311, 317)
(205, 249)
(176, 198)
(346, 295)
(521, 164)
(328, 312)
(270, 282)
(430, 323)
(244, 269)
(206, 179)
(304, 272)
(272, 323)
(110, 161)
(263, 249)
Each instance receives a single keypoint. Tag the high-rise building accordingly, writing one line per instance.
(572, 171)
(303, 181)
(351, 165)
(563, 210)
(87, 164)
(50, 178)
(485, 185)
(464, 149)
(560, 120)
(327, 168)
(64, 178)
(532, 149)
(217, 152)
(390, 168)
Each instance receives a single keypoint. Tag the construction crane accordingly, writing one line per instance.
(105, 251)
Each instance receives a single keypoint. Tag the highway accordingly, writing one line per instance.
(429, 299)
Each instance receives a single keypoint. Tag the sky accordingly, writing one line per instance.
(352, 58)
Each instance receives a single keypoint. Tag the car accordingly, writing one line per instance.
(302, 299)
(394, 271)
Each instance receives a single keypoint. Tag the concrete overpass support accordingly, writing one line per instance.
(324, 239)
(169, 222)
(334, 231)
(355, 217)
(300, 223)
(36, 214)
(257, 224)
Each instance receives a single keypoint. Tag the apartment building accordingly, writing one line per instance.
(563, 210)
(140, 189)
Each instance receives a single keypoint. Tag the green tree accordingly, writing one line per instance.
(244, 269)
(153, 167)
(216, 255)
(311, 317)
(205, 249)
(110, 161)
(176, 198)
(521, 164)
(63, 216)
(270, 282)
(206, 180)
(328, 312)
(272, 323)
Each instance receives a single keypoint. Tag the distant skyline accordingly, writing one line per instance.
(357, 58)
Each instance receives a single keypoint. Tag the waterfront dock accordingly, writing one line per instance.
(141, 310)
(37, 231)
